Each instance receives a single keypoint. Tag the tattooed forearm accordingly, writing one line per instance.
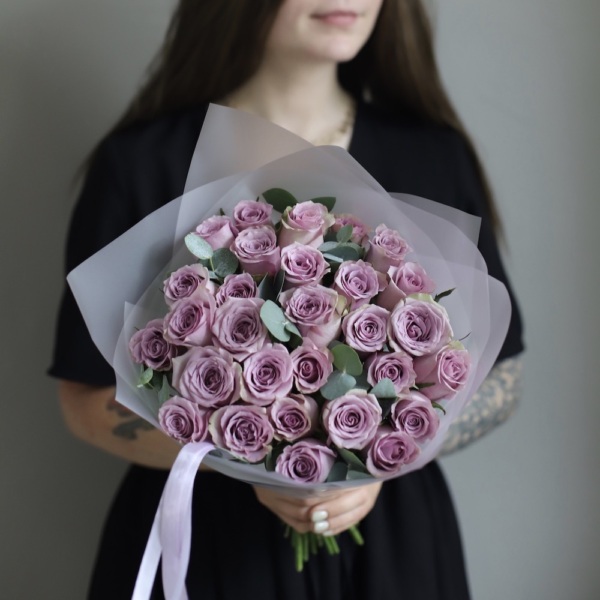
(494, 403)
(131, 424)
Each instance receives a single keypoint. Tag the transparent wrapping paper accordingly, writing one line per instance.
(239, 156)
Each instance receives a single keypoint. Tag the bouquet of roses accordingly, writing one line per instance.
(283, 343)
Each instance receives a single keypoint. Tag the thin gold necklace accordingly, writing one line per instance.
(340, 131)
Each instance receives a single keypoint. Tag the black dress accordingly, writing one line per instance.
(413, 549)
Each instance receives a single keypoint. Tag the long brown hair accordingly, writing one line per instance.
(213, 46)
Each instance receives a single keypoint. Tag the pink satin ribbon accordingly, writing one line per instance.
(171, 533)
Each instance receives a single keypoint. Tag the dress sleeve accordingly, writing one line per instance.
(471, 198)
(103, 211)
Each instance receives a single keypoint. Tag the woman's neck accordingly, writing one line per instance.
(304, 99)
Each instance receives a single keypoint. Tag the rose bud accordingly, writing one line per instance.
(419, 327)
(243, 430)
(216, 231)
(360, 232)
(397, 366)
(236, 286)
(183, 420)
(314, 309)
(352, 419)
(448, 370)
(189, 321)
(414, 415)
(305, 223)
(238, 328)
(390, 451)
(387, 249)
(268, 374)
(293, 416)
(302, 265)
(406, 279)
(208, 376)
(365, 329)
(257, 250)
(308, 461)
(312, 367)
(250, 213)
(185, 282)
(149, 347)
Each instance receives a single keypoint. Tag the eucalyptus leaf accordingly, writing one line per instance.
(355, 475)
(275, 321)
(224, 262)
(386, 406)
(344, 234)
(265, 288)
(198, 246)
(327, 246)
(337, 385)
(362, 381)
(384, 389)
(346, 359)
(441, 295)
(327, 201)
(279, 199)
(278, 282)
(338, 472)
(344, 251)
(165, 390)
(293, 329)
(145, 377)
(353, 461)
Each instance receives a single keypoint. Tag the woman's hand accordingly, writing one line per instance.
(329, 513)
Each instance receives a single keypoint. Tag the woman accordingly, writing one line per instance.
(309, 66)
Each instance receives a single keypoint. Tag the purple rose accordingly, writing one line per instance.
(314, 309)
(390, 451)
(208, 376)
(149, 347)
(352, 419)
(244, 431)
(189, 321)
(250, 213)
(358, 281)
(308, 461)
(257, 250)
(365, 329)
(236, 286)
(305, 223)
(183, 420)
(419, 327)
(414, 415)
(397, 366)
(293, 417)
(312, 367)
(406, 279)
(268, 374)
(448, 370)
(185, 282)
(238, 328)
(360, 231)
(302, 264)
(387, 249)
(216, 231)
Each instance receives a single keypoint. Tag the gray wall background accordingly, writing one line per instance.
(525, 76)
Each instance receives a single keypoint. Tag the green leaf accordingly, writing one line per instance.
(337, 385)
(198, 246)
(327, 201)
(438, 297)
(386, 406)
(354, 475)
(165, 390)
(224, 262)
(145, 377)
(278, 283)
(422, 386)
(338, 472)
(293, 329)
(353, 461)
(275, 321)
(271, 459)
(439, 406)
(265, 288)
(279, 199)
(327, 246)
(344, 234)
(343, 252)
(347, 360)
(384, 389)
